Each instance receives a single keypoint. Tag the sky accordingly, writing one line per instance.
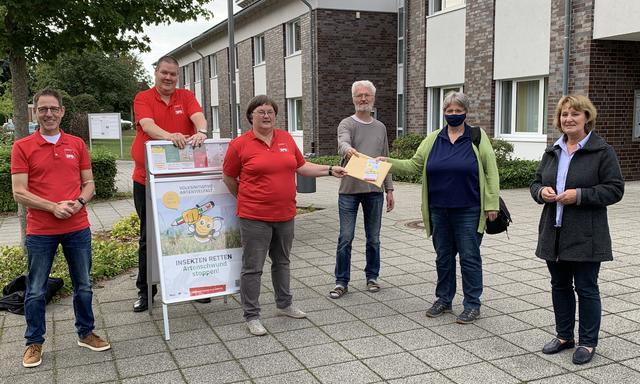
(164, 38)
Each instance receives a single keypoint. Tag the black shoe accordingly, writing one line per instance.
(582, 355)
(141, 304)
(468, 316)
(204, 301)
(438, 309)
(555, 346)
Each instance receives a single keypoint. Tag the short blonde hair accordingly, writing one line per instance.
(581, 104)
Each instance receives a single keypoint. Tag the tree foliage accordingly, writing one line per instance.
(112, 79)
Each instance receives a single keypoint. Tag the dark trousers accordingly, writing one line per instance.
(260, 238)
(564, 274)
(140, 202)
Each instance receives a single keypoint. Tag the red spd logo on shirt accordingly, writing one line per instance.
(69, 154)
(178, 109)
(282, 147)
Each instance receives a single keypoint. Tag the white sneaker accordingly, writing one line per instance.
(256, 328)
(292, 311)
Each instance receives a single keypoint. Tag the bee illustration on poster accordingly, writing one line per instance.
(198, 237)
(196, 216)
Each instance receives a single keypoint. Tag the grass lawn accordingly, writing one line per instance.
(113, 146)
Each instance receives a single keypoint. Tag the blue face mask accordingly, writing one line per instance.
(455, 120)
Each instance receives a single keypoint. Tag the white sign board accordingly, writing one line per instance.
(197, 237)
(104, 126)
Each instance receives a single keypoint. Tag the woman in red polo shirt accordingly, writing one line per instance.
(259, 169)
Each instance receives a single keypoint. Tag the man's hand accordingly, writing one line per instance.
(65, 209)
(391, 202)
(351, 152)
(178, 139)
(197, 139)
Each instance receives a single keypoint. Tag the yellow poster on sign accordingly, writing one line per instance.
(368, 169)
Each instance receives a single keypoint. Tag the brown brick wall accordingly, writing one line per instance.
(224, 115)
(245, 59)
(351, 49)
(415, 92)
(479, 84)
(274, 61)
(614, 76)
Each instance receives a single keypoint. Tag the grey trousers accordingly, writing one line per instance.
(258, 239)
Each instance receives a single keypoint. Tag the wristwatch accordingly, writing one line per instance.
(203, 131)
(82, 201)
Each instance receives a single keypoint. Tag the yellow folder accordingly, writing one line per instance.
(356, 167)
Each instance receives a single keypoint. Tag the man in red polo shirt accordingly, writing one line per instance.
(161, 113)
(51, 175)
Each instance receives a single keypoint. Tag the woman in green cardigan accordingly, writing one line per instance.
(460, 191)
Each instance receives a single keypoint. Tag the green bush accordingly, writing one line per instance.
(326, 160)
(104, 169)
(103, 165)
(503, 150)
(7, 204)
(111, 256)
(517, 173)
(405, 146)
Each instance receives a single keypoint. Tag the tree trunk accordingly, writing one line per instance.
(18, 66)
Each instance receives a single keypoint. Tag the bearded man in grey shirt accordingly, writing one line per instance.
(361, 133)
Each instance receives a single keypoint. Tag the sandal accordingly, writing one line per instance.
(338, 292)
(373, 286)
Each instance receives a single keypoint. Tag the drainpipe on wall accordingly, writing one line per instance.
(204, 89)
(232, 69)
(567, 47)
(313, 78)
(405, 67)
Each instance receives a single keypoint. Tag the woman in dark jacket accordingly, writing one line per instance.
(578, 177)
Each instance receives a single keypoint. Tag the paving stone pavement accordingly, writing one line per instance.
(362, 337)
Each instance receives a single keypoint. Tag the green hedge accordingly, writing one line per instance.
(105, 170)
(113, 253)
(103, 165)
(517, 173)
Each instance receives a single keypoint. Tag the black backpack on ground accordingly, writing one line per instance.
(14, 292)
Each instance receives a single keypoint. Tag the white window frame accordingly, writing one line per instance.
(540, 133)
(213, 66)
(197, 70)
(436, 6)
(435, 97)
(215, 120)
(400, 118)
(186, 76)
(259, 52)
(401, 30)
(294, 45)
(295, 114)
(238, 119)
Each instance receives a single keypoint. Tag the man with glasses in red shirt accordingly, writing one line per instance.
(51, 176)
(161, 113)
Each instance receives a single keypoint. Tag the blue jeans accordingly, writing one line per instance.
(455, 231)
(41, 252)
(585, 277)
(372, 204)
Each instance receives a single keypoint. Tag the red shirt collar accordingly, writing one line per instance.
(172, 98)
(42, 141)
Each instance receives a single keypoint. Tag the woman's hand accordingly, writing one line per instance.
(548, 194)
(491, 215)
(381, 158)
(570, 196)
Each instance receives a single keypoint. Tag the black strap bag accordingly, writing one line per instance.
(501, 223)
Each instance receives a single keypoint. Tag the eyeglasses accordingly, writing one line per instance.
(361, 95)
(54, 110)
(264, 113)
